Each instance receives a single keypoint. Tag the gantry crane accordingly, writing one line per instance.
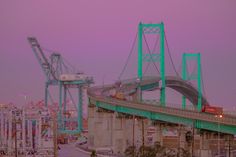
(57, 74)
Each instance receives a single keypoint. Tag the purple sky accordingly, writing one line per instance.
(96, 37)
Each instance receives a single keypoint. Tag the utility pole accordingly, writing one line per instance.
(55, 136)
(143, 136)
(15, 133)
(193, 139)
(133, 134)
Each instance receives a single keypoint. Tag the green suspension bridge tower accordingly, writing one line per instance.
(147, 57)
(196, 75)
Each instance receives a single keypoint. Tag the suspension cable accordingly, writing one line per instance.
(127, 60)
(154, 47)
(150, 53)
(170, 56)
(203, 85)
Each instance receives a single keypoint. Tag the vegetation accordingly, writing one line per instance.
(156, 151)
(93, 154)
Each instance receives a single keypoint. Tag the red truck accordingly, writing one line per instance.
(212, 110)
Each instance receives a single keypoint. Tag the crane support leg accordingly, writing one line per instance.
(80, 116)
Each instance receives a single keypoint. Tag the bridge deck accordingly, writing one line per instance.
(226, 124)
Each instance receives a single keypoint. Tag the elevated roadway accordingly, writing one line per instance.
(100, 97)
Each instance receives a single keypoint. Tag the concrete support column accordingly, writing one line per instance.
(91, 127)
(141, 126)
(158, 136)
(119, 141)
(138, 134)
(99, 128)
(229, 142)
(4, 130)
(1, 128)
(23, 128)
(204, 145)
(145, 129)
(10, 143)
(182, 139)
(30, 133)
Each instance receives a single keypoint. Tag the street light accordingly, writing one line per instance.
(218, 128)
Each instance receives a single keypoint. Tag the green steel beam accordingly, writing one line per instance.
(150, 86)
(64, 109)
(60, 105)
(215, 127)
(140, 51)
(184, 77)
(169, 118)
(46, 94)
(152, 25)
(162, 64)
(71, 132)
(199, 81)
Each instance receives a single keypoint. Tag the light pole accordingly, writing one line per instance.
(15, 133)
(133, 134)
(218, 128)
(193, 139)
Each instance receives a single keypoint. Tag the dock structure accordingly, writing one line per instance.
(27, 131)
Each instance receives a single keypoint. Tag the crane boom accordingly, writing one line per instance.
(43, 61)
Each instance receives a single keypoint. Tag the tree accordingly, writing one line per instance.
(93, 154)
(147, 151)
(131, 152)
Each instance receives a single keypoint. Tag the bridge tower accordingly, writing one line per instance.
(196, 75)
(147, 57)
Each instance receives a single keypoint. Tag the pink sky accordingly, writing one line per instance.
(96, 36)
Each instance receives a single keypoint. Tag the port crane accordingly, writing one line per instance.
(58, 74)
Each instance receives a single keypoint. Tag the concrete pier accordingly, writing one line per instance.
(116, 131)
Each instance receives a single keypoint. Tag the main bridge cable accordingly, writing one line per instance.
(149, 51)
(194, 72)
(170, 56)
(127, 60)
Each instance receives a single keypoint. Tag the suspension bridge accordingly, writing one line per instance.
(182, 85)
(112, 106)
